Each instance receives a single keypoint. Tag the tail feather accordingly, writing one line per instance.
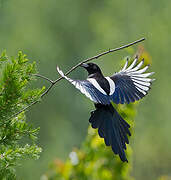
(125, 128)
(124, 135)
(112, 127)
(122, 139)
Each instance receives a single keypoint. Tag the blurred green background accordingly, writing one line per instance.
(65, 32)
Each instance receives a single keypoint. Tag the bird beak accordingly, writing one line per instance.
(84, 65)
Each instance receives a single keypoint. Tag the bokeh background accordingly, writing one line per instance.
(65, 32)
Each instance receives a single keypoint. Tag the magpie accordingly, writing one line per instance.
(128, 85)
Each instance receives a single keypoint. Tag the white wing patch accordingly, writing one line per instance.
(90, 88)
(96, 85)
(76, 84)
(128, 85)
(112, 85)
(137, 75)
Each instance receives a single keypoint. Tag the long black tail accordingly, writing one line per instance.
(112, 127)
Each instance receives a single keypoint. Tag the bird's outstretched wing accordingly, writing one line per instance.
(131, 83)
(87, 88)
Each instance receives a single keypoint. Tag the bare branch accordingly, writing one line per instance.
(101, 54)
(72, 69)
(43, 77)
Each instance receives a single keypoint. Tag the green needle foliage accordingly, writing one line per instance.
(17, 137)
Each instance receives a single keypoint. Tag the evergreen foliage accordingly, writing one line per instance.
(17, 137)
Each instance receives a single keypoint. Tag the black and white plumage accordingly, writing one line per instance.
(130, 84)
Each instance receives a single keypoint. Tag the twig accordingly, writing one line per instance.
(43, 77)
(72, 69)
(101, 54)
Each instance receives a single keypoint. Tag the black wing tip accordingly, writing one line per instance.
(136, 56)
(142, 60)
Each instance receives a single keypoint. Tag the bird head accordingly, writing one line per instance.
(91, 68)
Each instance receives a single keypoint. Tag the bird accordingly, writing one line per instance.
(128, 85)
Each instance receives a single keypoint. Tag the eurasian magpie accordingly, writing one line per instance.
(128, 85)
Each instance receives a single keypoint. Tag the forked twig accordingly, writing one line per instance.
(72, 69)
